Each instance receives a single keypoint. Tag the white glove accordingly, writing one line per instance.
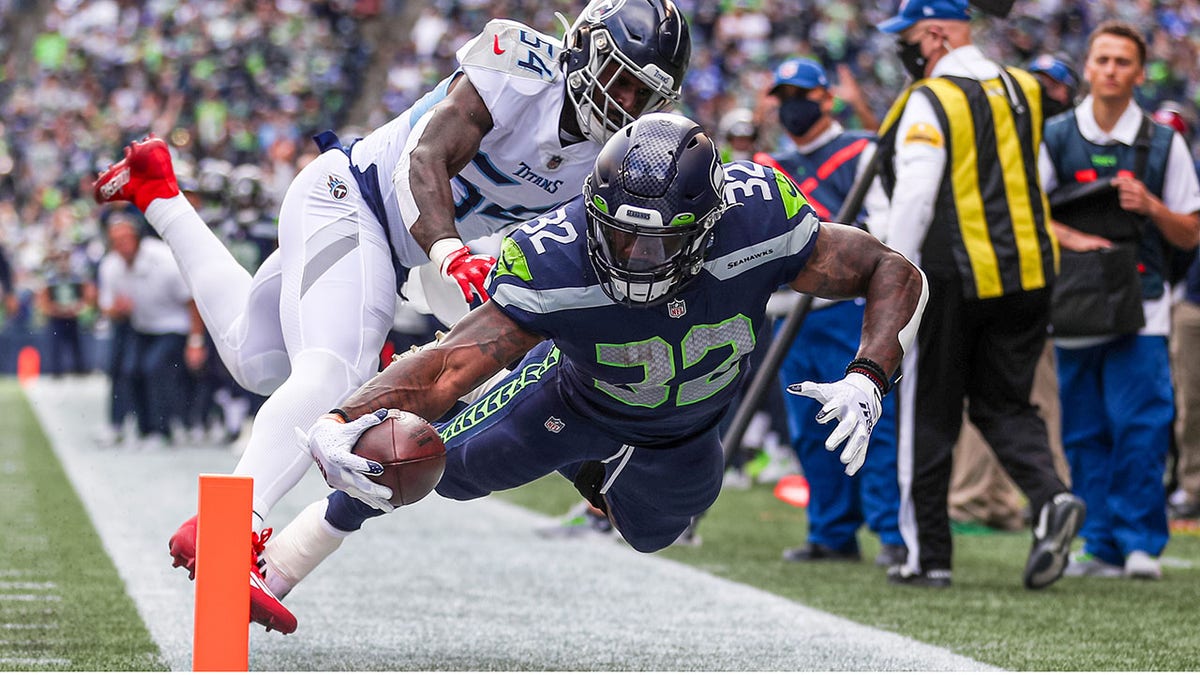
(330, 443)
(855, 401)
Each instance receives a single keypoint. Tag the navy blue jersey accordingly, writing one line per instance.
(655, 375)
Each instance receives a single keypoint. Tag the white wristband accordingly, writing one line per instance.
(442, 248)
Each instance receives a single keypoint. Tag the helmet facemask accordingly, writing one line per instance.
(598, 113)
(652, 202)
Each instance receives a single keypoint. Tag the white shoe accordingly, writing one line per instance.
(1087, 565)
(1141, 565)
(152, 443)
(109, 437)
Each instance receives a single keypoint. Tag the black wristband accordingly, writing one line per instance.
(872, 371)
(340, 413)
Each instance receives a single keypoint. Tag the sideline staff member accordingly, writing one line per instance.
(960, 162)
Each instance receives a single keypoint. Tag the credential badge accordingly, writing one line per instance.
(676, 308)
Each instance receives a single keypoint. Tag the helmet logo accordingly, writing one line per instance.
(656, 74)
(676, 308)
(601, 10)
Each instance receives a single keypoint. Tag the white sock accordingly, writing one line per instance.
(296, 551)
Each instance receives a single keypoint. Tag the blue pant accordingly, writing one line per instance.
(1118, 406)
(524, 429)
(158, 364)
(839, 504)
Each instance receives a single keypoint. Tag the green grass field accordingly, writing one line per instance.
(62, 605)
(1077, 624)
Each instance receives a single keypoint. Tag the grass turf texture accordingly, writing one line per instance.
(1076, 624)
(48, 547)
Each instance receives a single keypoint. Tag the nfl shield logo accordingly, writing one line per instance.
(676, 309)
(337, 188)
(554, 425)
(554, 163)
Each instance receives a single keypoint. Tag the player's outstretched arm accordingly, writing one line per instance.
(848, 262)
(440, 145)
(430, 381)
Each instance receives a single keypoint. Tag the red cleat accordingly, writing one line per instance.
(144, 175)
(265, 608)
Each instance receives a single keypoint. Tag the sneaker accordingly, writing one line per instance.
(1087, 565)
(811, 552)
(265, 608)
(581, 521)
(891, 555)
(144, 175)
(109, 437)
(1141, 565)
(1058, 523)
(903, 576)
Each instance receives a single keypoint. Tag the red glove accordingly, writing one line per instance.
(468, 270)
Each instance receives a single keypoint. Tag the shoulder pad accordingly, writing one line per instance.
(514, 49)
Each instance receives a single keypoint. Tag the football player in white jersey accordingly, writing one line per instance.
(512, 133)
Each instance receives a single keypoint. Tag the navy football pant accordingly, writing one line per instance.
(523, 430)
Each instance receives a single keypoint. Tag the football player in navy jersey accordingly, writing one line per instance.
(510, 134)
(635, 307)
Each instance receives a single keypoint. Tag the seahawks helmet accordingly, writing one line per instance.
(648, 39)
(652, 200)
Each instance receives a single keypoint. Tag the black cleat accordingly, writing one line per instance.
(1058, 523)
(900, 575)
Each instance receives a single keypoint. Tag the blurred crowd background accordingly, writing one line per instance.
(238, 87)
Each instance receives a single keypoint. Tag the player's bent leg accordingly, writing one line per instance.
(654, 497)
(241, 312)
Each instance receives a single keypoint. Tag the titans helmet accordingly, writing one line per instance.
(652, 200)
(612, 39)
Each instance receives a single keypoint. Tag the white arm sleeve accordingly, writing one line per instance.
(920, 161)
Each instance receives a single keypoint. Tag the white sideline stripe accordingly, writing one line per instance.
(449, 570)
(28, 585)
(25, 661)
(17, 573)
(28, 626)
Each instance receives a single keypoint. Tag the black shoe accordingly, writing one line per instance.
(811, 552)
(1058, 523)
(899, 574)
(891, 555)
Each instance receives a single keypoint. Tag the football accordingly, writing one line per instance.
(411, 452)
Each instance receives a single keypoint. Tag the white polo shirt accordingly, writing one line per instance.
(154, 284)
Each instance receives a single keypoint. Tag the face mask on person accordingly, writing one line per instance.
(912, 59)
(798, 114)
(1052, 107)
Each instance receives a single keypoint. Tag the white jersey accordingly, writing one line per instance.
(522, 168)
